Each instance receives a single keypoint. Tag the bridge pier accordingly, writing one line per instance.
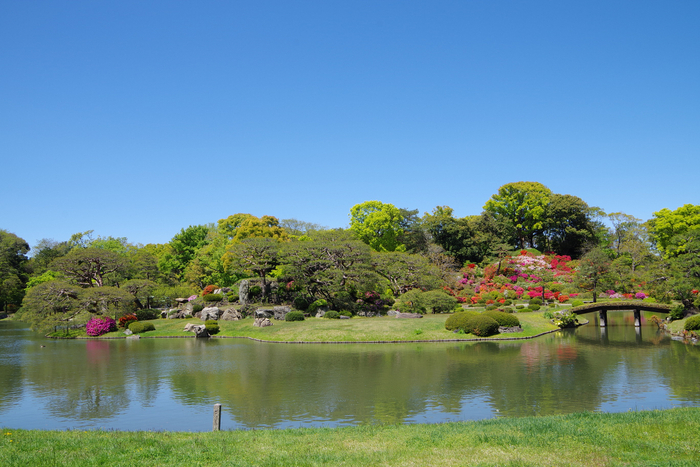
(638, 335)
(637, 318)
(603, 315)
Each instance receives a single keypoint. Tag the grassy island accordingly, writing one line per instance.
(652, 438)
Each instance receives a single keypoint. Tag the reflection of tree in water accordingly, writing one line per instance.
(10, 365)
(680, 366)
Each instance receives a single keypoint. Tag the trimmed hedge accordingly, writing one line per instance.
(147, 314)
(459, 320)
(692, 323)
(533, 307)
(294, 316)
(137, 327)
(213, 297)
(481, 325)
(212, 326)
(332, 314)
(503, 319)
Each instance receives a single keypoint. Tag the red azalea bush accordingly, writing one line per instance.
(209, 290)
(126, 320)
(100, 325)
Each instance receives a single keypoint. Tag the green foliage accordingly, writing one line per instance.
(378, 225)
(321, 302)
(146, 314)
(534, 307)
(565, 319)
(137, 327)
(212, 326)
(300, 303)
(594, 270)
(255, 291)
(439, 301)
(692, 323)
(405, 271)
(575, 303)
(232, 297)
(481, 325)
(548, 315)
(459, 320)
(536, 301)
(197, 306)
(294, 316)
(667, 224)
(677, 311)
(90, 267)
(503, 319)
(213, 297)
(412, 301)
(519, 307)
(332, 314)
(182, 249)
(345, 313)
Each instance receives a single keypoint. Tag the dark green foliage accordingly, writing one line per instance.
(508, 302)
(534, 307)
(146, 314)
(212, 326)
(677, 311)
(255, 290)
(412, 301)
(300, 303)
(692, 323)
(503, 319)
(491, 307)
(213, 297)
(459, 320)
(138, 327)
(536, 301)
(294, 316)
(481, 325)
(519, 307)
(232, 297)
(197, 307)
(332, 314)
(345, 313)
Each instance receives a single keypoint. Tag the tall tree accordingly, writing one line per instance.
(522, 205)
(378, 225)
(593, 270)
(182, 249)
(13, 268)
(568, 228)
(405, 271)
(666, 224)
(90, 267)
(258, 255)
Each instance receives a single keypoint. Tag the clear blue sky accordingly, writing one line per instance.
(138, 118)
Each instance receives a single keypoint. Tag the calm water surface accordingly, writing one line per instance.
(172, 384)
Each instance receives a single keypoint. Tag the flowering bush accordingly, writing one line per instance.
(209, 289)
(100, 325)
(125, 320)
(191, 297)
(640, 295)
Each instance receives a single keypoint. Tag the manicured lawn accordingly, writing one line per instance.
(654, 438)
(430, 327)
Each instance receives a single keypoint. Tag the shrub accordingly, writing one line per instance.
(575, 303)
(692, 323)
(100, 325)
(255, 290)
(212, 326)
(481, 325)
(503, 319)
(208, 290)
(565, 319)
(126, 320)
(412, 301)
(317, 304)
(677, 311)
(197, 307)
(232, 297)
(345, 313)
(491, 307)
(213, 297)
(508, 302)
(138, 327)
(548, 315)
(439, 301)
(519, 307)
(332, 314)
(458, 320)
(146, 314)
(533, 307)
(294, 316)
(536, 301)
(300, 303)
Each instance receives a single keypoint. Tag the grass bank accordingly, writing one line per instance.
(357, 329)
(654, 438)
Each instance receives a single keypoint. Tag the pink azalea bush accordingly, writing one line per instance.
(100, 325)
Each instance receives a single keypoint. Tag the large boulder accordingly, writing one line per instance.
(262, 322)
(392, 313)
(182, 300)
(264, 313)
(281, 311)
(210, 312)
(174, 314)
(409, 315)
(231, 315)
(199, 330)
(320, 313)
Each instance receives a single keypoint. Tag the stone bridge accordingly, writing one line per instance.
(634, 305)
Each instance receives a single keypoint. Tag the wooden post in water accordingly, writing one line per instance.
(603, 315)
(217, 417)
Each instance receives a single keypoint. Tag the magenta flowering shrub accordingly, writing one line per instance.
(100, 325)
(640, 295)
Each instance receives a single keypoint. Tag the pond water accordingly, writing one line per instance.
(172, 384)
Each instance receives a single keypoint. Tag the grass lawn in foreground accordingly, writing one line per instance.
(654, 438)
(430, 327)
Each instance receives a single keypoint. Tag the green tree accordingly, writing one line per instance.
(50, 304)
(378, 225)
(90, 267)
(182, 249)
(593, 270)
(258, 255)
(140, 290)
(44, 252)
(405, 271)
(568, 227)
(523, 206)
(622, 223)
(413, 233)
(13, 268)
(666, 224)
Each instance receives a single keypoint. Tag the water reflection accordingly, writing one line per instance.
(172, 383)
